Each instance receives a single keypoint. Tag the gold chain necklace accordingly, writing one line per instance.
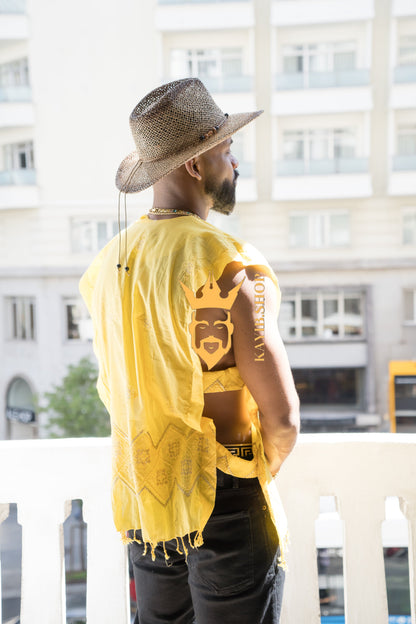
(172, 211)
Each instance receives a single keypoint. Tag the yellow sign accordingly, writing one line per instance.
(404, 371)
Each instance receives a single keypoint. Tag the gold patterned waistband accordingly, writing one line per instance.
(245, 451)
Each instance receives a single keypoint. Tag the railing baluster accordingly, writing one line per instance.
(43, 563)
(408, 507)
(363, 513)
(301, 594)
(360, 470)
(107, 572)
(4, 513)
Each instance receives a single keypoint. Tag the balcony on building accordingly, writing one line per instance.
(323, 79)
(229, 84)
(403, 175)
(403, 89)
(18, 189)
(405, 74)
(16, 113)
(188, 15)
(322, 92)
(16, 108)
(336, 490)
(332, 75)
(403, 8)
(225, 69)
(17, 93)
(300, 12)
(13, 20)
(323, 178)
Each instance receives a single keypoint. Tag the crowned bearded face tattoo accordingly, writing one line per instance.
(211, 339)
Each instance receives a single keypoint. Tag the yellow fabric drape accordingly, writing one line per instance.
(164, 452)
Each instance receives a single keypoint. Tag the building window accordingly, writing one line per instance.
(220, 69)
(322, 315)
(405, 157)
(319, 229)
(409, 226)
(206, 63)
(21, 318)
(406, 140)
(322, 151)
(406, 53)
(78, 324)
(329, 386)
(410, 306)
(311, 58)
(19, 156)
(14, 74)
(91, 235)
(325, 143)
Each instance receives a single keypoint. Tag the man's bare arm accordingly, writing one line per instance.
(263, 364)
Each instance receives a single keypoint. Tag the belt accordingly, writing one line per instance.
(226, 481)
(245, 451)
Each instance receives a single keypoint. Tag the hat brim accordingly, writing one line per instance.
(134, 176)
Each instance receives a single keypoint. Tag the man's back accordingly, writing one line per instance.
(173, 301)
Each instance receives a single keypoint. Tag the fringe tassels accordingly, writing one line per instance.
(194, 542)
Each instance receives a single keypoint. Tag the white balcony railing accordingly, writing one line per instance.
(405, 73)
(323, 79)
(325, 166)
(18, 177)
(12, 6)
(17, 93)
(404, 162)
(229, 84)
(196, 1)
(359, 470)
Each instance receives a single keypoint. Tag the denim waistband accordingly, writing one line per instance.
(227, 482)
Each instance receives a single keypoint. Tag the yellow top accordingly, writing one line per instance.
(150, 379)
(222, 380)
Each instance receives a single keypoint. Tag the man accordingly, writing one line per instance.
(194, 375)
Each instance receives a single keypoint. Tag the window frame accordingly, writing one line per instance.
(90, 228)
(84, 316)
(412, 292)
(325, 51)
(406, 47)
(14, 73)
(319, 229)
(298, 323)
(407, 212)
(25, 327)
(308, 137)
(193, 56)
(12, 153)
(406, 131)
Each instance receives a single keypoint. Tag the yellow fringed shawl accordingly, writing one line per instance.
(165, 453)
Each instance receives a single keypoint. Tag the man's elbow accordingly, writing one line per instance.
(289, 419)
(280, 430)
(294, 417)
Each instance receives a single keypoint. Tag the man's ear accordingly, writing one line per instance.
(192, 167)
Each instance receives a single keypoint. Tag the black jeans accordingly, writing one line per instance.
(232, 578)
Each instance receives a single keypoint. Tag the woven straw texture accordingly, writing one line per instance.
(172, 124)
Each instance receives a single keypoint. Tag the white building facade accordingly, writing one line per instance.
(327, 189)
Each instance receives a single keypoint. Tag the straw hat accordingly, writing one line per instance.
(171, 125)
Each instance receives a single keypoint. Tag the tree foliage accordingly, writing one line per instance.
(74, 407)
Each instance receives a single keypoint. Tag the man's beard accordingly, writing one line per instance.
(223, 195)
